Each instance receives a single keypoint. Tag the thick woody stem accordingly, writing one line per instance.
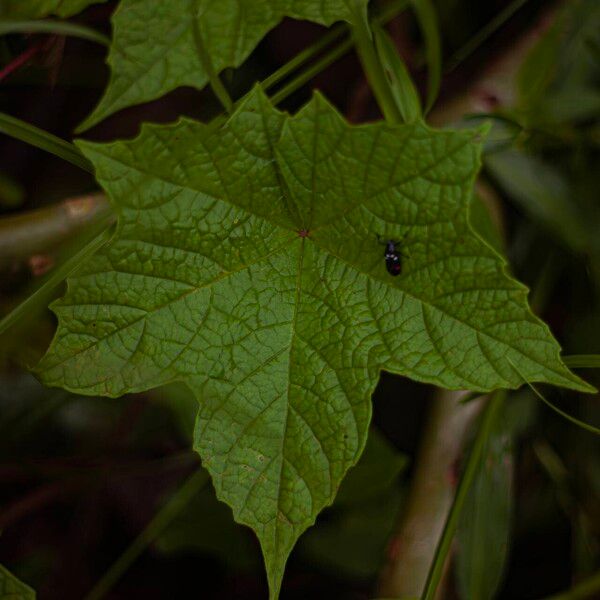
(37, 231)
(411, 549)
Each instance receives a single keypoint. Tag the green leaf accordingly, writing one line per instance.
(13, 589)
(401, 84)
(246, 264)
(36, 9)
(155, 51)
(484, 528)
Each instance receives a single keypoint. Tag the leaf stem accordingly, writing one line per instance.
(305, 76)
(19, 61)
(45, 141)
(335, 53)
(157, 525)
(428, 22)
(372, 66)
(489, 417)
(388, 12)
(304, 56)
(54, 27)
(35, 231)
(215, 82)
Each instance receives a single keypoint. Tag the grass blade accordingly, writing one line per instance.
(372, 67)
(159, 522)
(53, 27)
(427, 18)
(401, 84)
(336, 52)
(488, 420)
(582, 361)
(45, 141)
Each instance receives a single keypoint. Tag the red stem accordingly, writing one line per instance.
(19, 61)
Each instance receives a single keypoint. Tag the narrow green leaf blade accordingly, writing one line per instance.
(54, 27)
(246, 264)
(583, 361)
(401, 84)
(484, 528)
(42, 139)
(543, 192)
(428, 22)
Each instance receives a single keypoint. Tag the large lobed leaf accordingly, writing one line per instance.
(155, 48)
(246, 264)
(36, 9)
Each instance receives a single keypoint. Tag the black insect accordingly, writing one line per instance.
(393, 256)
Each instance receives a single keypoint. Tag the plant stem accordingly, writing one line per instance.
(215, 82)
(430, 498)
(388, 13)
(489, 417)
(65, 28)
(373, 69)
(157, 525)
(36, 231)
(310, 72)
(19, 61)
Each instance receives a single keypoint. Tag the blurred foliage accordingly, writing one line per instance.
(13, 589)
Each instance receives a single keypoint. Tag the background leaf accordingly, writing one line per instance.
(246, 264)
(484, 529)
(154, 50)
(543, 192)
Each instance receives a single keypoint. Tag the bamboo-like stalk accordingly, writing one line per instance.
(36, 231)
(430, 497)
